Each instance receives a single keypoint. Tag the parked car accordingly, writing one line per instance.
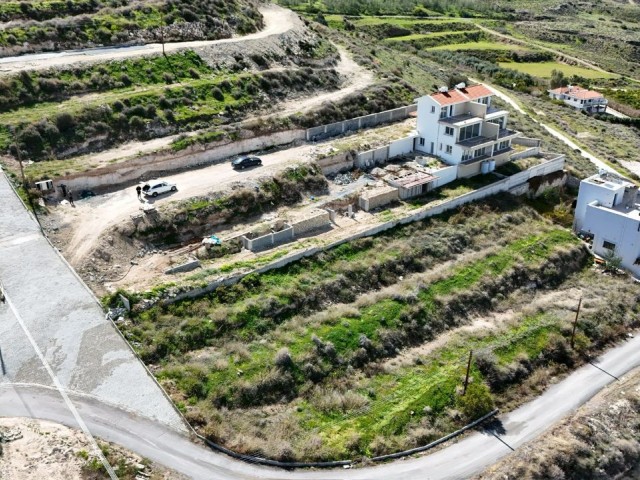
(244, 162)
(153, 188)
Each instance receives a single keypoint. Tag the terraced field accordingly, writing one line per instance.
(544, 69)
(350, 352)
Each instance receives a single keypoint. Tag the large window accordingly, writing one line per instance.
(503, 145)
(479, 152)
(443, 112)
(469, 132)
(467, 155)
(609, 246)
(449, 149)
(448, 131)
(498, 121)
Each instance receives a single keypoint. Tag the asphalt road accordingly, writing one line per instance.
(54, 333)
(461, 460)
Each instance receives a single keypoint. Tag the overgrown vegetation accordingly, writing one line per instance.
(61, 25)
(309, 342)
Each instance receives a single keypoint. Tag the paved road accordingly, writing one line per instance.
(277, 20)
(50, 312)
(461, 460)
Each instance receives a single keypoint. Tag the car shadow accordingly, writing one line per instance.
(152, 200)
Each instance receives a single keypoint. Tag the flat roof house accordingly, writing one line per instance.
(462, 128)
(607, 209)
(580, 98)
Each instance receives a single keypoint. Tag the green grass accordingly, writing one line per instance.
(543, 70)
(401, 397)
(423, 36)
(405, 22)
(482, 45)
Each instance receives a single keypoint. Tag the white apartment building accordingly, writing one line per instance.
(580, 98)
(462, 128)
(607, 209)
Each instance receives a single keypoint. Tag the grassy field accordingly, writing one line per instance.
(482, 45)
(301, 350)
(543, 70)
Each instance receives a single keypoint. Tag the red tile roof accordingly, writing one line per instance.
(459, 95)
(577, 92)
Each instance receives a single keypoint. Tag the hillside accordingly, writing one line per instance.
(61, 25)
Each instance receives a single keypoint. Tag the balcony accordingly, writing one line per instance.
(475, 142)
(505, 132)
(466, 117)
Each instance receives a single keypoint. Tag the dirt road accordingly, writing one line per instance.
(92, 216)
(355, 78)
(277, 20)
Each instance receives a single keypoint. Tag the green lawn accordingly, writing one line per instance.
(543, 69)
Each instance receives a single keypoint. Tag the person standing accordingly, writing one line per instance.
(139, 191)
(70, 196)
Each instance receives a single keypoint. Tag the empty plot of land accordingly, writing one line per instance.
(544, 69)
(482, 45)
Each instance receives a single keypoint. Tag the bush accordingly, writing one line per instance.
(477, 402)
(217, 94)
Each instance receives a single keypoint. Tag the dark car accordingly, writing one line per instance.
(244, 162)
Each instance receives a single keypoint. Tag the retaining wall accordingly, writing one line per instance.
(268, 240)
(377, 198)
(529, 152)
(336, 163)
(333, 129)
(146, 165)
(505, 185)
(318, 219)
(527, 142)
(381, 155)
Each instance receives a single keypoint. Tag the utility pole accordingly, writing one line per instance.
(575, 324)
(466, 378)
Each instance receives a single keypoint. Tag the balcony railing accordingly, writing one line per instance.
(458, 118)
(505, 132)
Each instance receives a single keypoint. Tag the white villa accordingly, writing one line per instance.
(607, 209)
(580, 98)
(462, 128)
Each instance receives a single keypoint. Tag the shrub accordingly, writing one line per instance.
(477, 402)
(217, 94)
(136, 122)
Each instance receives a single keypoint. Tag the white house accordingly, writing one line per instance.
(607, 209)
(580, 98)
(462, 128)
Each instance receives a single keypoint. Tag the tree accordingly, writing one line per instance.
(557, 79)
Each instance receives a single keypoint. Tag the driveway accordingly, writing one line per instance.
(54, 333)
(461, 460)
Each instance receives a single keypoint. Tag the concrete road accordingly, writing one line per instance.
(560, 136)
(54, 333)
(277, 20)
(460, 460)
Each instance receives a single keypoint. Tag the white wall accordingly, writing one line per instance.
(590, 192)
(617, 228)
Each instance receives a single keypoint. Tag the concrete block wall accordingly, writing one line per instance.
(333, 129)
(504, 185)
(529, 152)
(318, 219)
(377, 198)
(336, 163)
(527, 142)
(268, 240)
(167, 161)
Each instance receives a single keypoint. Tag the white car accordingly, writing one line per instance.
(153, 188)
